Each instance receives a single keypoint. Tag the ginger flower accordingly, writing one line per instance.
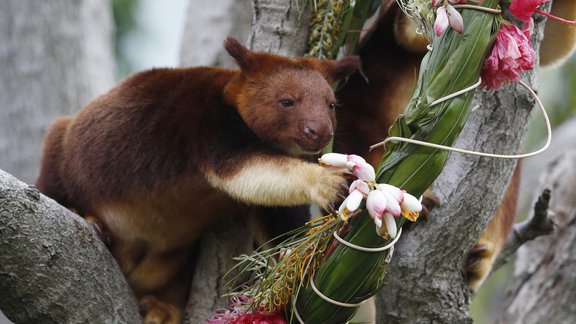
(411, 207)
(384, 202)
(389, 229)
(510, 55)
(376, 205)
(364, 171)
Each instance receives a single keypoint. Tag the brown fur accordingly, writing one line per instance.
(169, 152)
(391, 54)
(559, 38)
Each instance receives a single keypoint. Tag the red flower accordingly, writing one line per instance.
(510, 55)
(260, 318)
(523, 9)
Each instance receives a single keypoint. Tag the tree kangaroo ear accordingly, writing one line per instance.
(559, 38)
(239, 53)
(337, 70)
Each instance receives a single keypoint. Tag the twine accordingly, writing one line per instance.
(479, 8)
(476, 153)
(366, 249)
(330, 300)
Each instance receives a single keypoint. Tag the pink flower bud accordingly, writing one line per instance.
(441, 22)
(437, 3)
(353, 200)
(359, 185)
(395, 192)
(356, 158)
(392, 205)
(364, 171)
(376, 204)
(390, 224)
(455, 19)
(334, 159)
(411, 207)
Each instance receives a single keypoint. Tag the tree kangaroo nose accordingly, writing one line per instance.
(318, 131)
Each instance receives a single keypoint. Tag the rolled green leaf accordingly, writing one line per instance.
(351, 276)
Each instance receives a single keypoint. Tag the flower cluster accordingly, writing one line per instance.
(384, 202)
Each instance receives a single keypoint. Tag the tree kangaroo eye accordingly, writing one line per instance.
(287, 103)
(332, 106)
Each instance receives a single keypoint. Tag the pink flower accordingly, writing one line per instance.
(394, 191)
(411, 207)
(376, 205)
(260, 318)
(390, 226)
(441, 22)
(392, 205)
(523, 9)
(353, 200)
(510, 55)
(448, 15)
(334, 159)
(364, 171)
(360, 186)
(465, 1)
(455, 19)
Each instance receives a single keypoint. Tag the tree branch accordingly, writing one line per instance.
(541, 223)
(53, 264)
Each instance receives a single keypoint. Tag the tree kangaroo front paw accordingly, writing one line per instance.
(329, 187)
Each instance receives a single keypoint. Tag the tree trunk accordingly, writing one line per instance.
(544, 282)
(55, 56)
(53, 266)
(425, 278)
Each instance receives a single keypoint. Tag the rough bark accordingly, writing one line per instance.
(425, 279)
(53, 266)
(276, 27)
(55, 56)
(279, 26)
(544, 283)
(208, 24)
